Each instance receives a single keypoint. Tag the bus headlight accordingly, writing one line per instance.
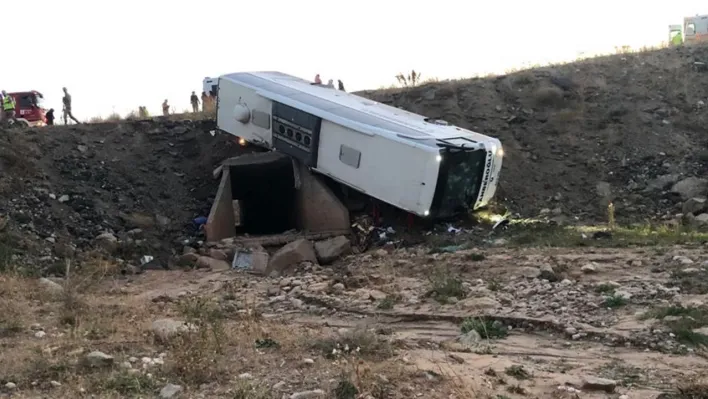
(426, 213)
(438, 158)
(500, 152)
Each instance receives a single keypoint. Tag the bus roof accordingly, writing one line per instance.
(353, 111)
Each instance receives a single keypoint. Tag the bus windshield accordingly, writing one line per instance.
(459, 182)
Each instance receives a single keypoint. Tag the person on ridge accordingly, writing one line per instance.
(8, 108)
(340, 85)
(50, 117)
(195, 102)
(165, 108)
(66, 100)
(318, 80)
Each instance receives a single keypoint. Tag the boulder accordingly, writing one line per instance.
(598, 384)
(170, 391)
(329, 250)
(107, 241)
(205, 262)
(696, 206)
(662, 182)
(702, 219)
(690, 188)
(188, 259)
(50, 286)
(99, 359)
(165, 329)
(218, 254)
(291, 255)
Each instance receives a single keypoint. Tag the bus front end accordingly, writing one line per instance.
(468, 176)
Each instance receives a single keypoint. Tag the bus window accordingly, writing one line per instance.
(690, 29)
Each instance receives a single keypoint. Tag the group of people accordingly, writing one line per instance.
(330, 83)
(9, 109)
(208, 103)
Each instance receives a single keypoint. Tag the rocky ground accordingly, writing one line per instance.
(476, 323)
(142, 181)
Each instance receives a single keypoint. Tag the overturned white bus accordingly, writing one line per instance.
(423, 166)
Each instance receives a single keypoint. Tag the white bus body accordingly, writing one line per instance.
(423, 166)
(695, 29)
(210, 84)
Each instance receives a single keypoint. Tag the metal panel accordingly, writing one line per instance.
(350, 156)
(261, 119)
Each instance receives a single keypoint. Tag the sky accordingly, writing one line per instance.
(114, 56)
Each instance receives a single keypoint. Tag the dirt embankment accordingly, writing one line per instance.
(66, 185)
(569, 130)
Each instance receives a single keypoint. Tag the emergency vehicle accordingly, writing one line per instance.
(693, 30)
(29, 108)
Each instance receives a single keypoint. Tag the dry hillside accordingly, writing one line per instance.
(570, 129)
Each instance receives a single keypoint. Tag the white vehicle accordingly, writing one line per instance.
(423, 166)
(210, 84)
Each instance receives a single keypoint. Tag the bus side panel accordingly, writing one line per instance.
(403, 175)
(258, 128)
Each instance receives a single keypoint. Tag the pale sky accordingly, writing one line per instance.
(123, 54)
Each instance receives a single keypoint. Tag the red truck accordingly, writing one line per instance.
(29, 109)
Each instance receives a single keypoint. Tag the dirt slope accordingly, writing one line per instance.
(622, 120)
(70, 184)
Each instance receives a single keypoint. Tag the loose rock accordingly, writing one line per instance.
(170, 391)
(589, 268)
(291, 255)
(50, 286)
(599, 384)
(205, 262)
(329, 250)
(317, 393)
(99, 359)
(165, 329)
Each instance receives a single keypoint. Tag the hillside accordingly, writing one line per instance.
(568, 130)
(66, 185)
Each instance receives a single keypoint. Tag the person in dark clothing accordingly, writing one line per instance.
(50, 116)
(340, 85)
(195, 102)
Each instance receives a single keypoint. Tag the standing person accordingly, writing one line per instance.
(8, 108)
(50, 117)
(318, 80)
(205, 102)
(67, 107)
(165, 108)
(195, 102)
(340, 85)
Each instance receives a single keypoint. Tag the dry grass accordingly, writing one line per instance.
(141, 115)
(93, 313)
